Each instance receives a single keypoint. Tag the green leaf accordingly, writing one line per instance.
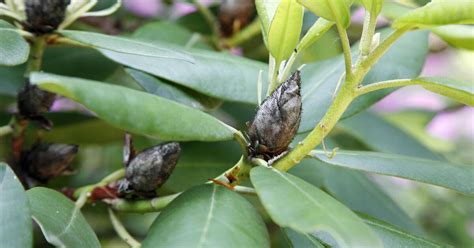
(437, 13)
(78, 62)
(136, 111)
(461, 36)
(319, 28)
(361, 194)
(200, 161)
(393, 10)
(214, 74)
(266, 11)
(444, 174)
(373, 6)
(14, 50)
(182, 95)
(168, 32)
(208, 216)
(15, 219)
(302, 240)
(126, 46)
(391, 236)
(457, 90)
(294, 203)
(395, 237)
(61, 222)
(333, 10)
(12, 79)
(381, 135)
(285, 29)
(404, 59)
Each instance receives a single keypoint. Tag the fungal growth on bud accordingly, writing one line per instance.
(150, 169)
(45, 161)
(277, 120)
(234, 15)
(44, 16)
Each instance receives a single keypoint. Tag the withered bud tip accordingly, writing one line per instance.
(45, 161)
(44, 16)
(277, 120)
(32, 101)
(150, 169)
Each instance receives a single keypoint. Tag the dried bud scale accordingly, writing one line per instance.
(150, 169)
(45, 161)
(234, 15)
(44, 16)
(32, 101)
(277, 120)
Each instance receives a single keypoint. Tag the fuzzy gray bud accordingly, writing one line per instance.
(150, 169)
(44, 16)
(46, 161)
(277, 120)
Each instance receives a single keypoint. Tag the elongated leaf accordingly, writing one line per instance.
(358, 192)
(381, 135)
(390, 236)
(182, 95)
(266, 11)
(302, 240)
(12, 79)
(208, 216)
(61, 223)
(332, 10)
(393, 10)
(285, 29)
(319, 28)
(15, 218)
(456, 90)
(461, 36)
(214, 74)
(170, 32)
(78, 62)
(14, 50)
(438, 12)
(200, 161)
(404, 59)
(373, 6)
(126, 46)
(394, 237)
(136, 111)
(444, 174)
(294, 203)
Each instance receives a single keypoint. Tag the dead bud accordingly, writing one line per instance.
(32, 101)
(45, 161)
(44, 16)
(234, 15)
(277, 120)
(150, 169)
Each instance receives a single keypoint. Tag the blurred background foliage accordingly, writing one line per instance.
(430, 121)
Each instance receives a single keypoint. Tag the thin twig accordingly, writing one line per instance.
(121, 231)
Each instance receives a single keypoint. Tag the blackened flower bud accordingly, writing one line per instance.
(44, 16)
(277, 120)
(150, 169)
(32, 101)
(234, 15)
(45, 161)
